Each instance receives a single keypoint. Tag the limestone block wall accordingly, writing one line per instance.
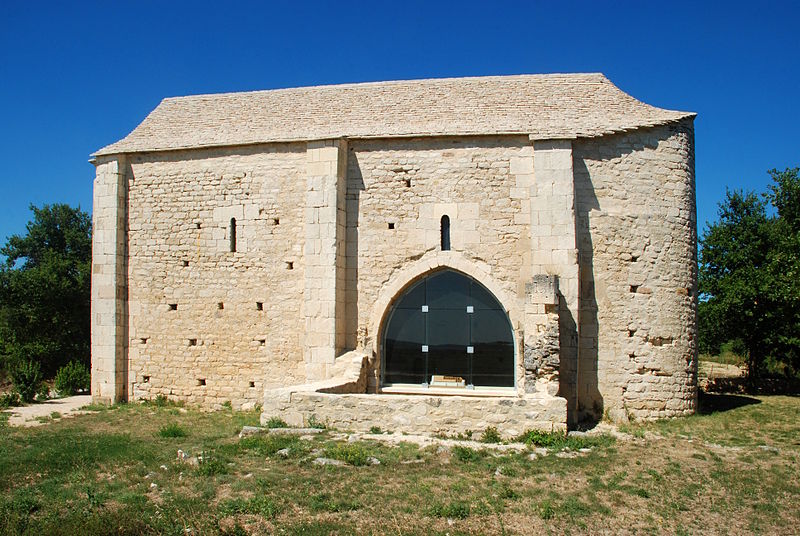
(109, 290)
(206, 324)
(422, 413)
(636, 229)
(398, 191)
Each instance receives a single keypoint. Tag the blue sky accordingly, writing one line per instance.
(75, 76)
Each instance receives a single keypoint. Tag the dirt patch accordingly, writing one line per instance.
(40, 413)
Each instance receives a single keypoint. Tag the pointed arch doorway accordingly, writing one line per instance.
(447, 330)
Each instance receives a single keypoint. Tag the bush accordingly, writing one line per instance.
(491, 435)
(466, 454)
(172, 430)
(351, 453)
(27, 379)
(9, 400)
(276, 422)
(72, 378)
(209, 465)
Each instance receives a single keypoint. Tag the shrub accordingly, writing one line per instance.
(27, 379)
(10, 400)
(351, 453)
(466, 454)
(72, 378)
(210, 465)
(491, 435)
(172, 430)
(276, 422)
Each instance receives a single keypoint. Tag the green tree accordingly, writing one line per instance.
(45, 290)
(749, 271)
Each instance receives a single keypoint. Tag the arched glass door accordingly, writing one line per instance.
(448, 330)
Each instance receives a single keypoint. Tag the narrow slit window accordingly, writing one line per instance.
(445, 233)
(233, 234)
(259, 306)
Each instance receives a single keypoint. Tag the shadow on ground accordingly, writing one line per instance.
(709, 403)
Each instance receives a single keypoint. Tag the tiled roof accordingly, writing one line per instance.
(550, 106)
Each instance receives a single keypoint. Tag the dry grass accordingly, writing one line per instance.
(732, 469)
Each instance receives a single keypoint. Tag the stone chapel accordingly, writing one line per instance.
(428, 255)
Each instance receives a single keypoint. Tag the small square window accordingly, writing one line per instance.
(259, 306)
(424, 308)
(470, 349)
(470, 309)
(424, 348)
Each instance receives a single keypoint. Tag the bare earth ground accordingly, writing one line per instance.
(44, 412)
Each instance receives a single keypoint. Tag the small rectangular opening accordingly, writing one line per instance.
(391, 226)
(252, 384)
(408, 183)
(276, 221)
(634, 288)
(259, 306)
(143, 340)
(631, 332)
(197, 225)
(192, 342)
(186, 263)
(262, 342)
(289, 265)
(145, 379)
(173, 306)
(220, 305)
(201, 382)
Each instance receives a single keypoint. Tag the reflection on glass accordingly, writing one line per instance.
(447, 329)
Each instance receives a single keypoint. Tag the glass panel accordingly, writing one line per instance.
(448, 290)
(493, 361)
(414, 298)
(448, 338)
(405, 335)
(482, 298)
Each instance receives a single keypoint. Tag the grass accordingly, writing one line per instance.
(734, 468)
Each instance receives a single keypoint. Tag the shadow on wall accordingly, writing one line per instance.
(355, 185)
(587, 394)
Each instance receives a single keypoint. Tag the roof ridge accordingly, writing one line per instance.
(346, 85)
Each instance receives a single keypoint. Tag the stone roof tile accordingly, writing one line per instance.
(550, 106)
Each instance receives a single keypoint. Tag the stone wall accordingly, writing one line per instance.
(418, 413)
(397, 193)
(205, 324)
(208, 325)
(636, 227)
